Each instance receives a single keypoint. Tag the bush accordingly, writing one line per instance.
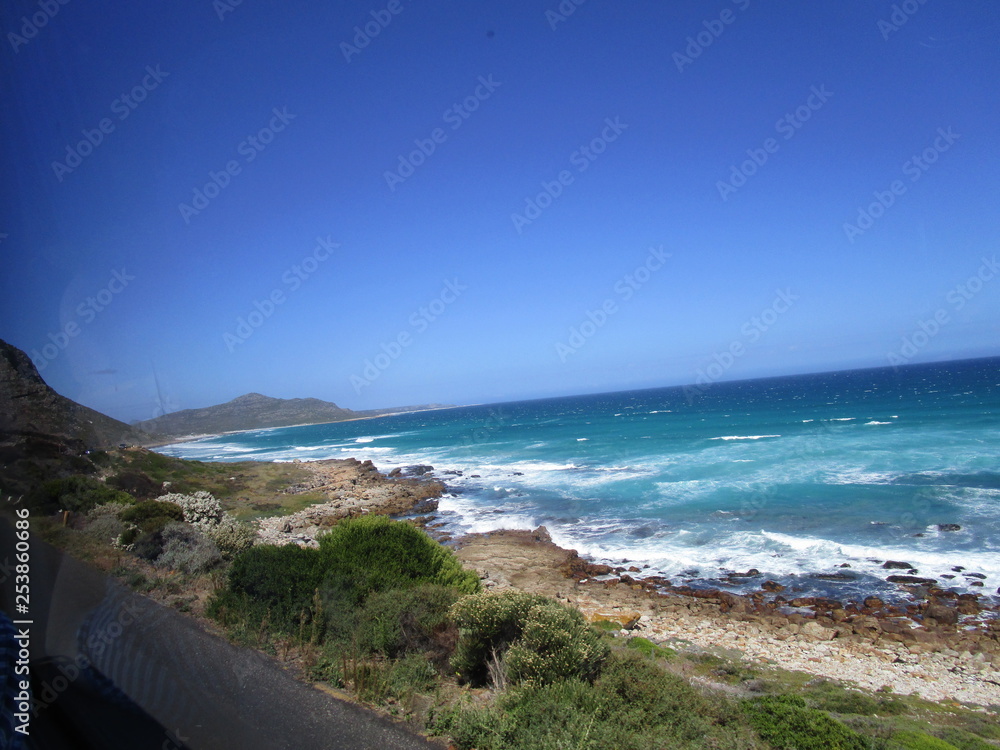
(963, 740)
(634, 704)
(105, 510)
(915, 740)
(187, 549)
(137, 484)
(538, 639)
(279, 580)
(148, 514)
(77, 494)
(106, 528)
(842, 701)
(200, 509)
(785, 721)
(232, 536)
(398, 622)
(373, 553)
(647, 648)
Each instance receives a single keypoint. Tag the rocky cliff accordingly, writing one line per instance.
(31, 410)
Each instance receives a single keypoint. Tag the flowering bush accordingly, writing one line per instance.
(538, 639)
(200, 509)
(204, 512)
(231, 536)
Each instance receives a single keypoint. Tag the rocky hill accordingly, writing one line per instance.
(31, 411)
(250, 412)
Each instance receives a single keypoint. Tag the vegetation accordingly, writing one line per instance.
(77, 494)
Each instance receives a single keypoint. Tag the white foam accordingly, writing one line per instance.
(581, 440)
(875, 422)
(744, 437)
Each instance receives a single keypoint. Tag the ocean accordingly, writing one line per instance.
(798, 477)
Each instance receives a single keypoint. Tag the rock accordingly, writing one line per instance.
(541, 534)
(395, 472)
(814, 630)
(911, 579)
(958, 569)
(949, 527)
(627, 618)
(896, 564)
(873, 602)
(773, 586)
(941, 614)
(980, 576)
(845, 565)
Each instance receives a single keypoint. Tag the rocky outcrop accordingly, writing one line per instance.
(353, 488)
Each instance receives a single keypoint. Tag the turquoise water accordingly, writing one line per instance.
(793, 476)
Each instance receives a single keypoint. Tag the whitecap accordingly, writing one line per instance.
(744, 437)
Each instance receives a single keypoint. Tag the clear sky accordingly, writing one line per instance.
(388, 203)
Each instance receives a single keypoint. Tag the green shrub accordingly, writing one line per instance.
(633, 705)
(394, 623)
(137, 484)
(232, 536)
(647, 648)
(829, 696)
(916, 740)
(538, 639)
(149, 512)
(786, 722)
(374, 553)
(106, 528)
(963, 740)
(76, 493)
(279, 580)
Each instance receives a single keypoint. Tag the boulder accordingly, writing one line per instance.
(911, 579)
(772, 586)
(949, 527)
(816, 631)
(896, 564)
(625, 618)
(941, 614)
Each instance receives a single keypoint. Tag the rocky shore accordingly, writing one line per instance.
(944, 646)
(941, 644)
(353, 488)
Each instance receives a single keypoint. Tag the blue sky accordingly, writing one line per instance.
(489, 201)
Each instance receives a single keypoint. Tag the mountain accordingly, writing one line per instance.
(250, 412)
(32, 414)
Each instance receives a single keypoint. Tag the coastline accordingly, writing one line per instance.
(938, 643)
(192, 438)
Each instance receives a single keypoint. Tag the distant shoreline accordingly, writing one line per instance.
(192, 438)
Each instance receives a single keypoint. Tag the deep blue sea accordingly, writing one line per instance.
(794, 476)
